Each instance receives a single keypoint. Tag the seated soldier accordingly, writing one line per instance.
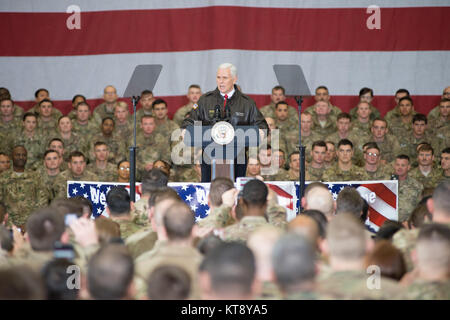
(83, 124)
(444, 116)
(365, 95)
(48, 118)
(316, 167)
(124, 124)
(72, 140)
(330, 156)
(117, 145)
(374, 170)
(401, 125)
(278, 94)
(77, 99)
(395, 112)
(9, 124)
(123, 171)
(104, 170)
(253, 167)
(17, 110)
(106, 108)
(5, 162)
(322, 94)
(146, 102)
(434, 113)
(363, 120)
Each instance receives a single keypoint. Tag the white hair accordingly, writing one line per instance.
(230, 66)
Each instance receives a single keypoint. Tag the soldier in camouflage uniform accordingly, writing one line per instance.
(294, 168)
(72, 141)
(409, 189)
(374, 170)
(76, 172)
(434, 124)
(309, 136)
(32, 140)
(282, 120)
(47, 118)
(194, 93)
(395, 112)
(58, 145)
(20, 189)
(425, 173)
(9, 125)
(316, 167)
(124, 125)
(254, 197)
(324, 123)
(116, 144)
(419, 134)
(347, 247)
(83, 125)
(146, 102)
(5, 162)
(118, 207)
(433, 253)
(322, 94)
(77, 99)
(400, 126)
(344, 169)
(17, 110)
(343, 125)
(278, 161)
(104, 170)
(388, 144)
(330, 156)
(106, 109)
(49, 172)
(434, 113)
(445, 164)
(365, 97)
(278, 94)
(164, 125)
(362, 122)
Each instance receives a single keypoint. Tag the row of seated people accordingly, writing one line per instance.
(244, 249)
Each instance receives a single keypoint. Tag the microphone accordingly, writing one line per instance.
(216, 113)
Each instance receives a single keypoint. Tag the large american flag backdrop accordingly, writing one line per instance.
(79, 47)
(380, 195)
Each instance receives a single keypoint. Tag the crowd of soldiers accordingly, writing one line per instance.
(244, 249)
(41, 149)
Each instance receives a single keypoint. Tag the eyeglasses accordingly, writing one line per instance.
(372, 154)
(124, 168)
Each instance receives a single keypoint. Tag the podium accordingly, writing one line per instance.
(221, 158)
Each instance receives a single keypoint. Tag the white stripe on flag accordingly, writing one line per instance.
(382, 71)
(380, 205)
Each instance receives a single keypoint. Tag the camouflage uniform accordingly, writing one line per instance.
(279, 175)
(382, 173)
(22, 193)
(373, 115)
(47, 128)
(186, 174)
(328, 128)
(107, 174)
(359, 127)
(307, 142)
(126, 129)
(334, 173)
(18, 112)
(426, 290)
(166, 128)
(333, 113)
(76, 142)
(435, 124)
(389, 147)
(268, 111)
(11, 128)
(187, 258)
(141, 242)
(127, 227)
(408, 143)
(240, 231)
(87, 131)
(56, 114)
(116, 146)
(269, 291)
(35, 147)
(181, 113)
(429, 181)
(60, 185)
(142, 112)
(405, 241)
(101, 111)
(352, 285)
(315, 174)
(409, 195)
(218, 218)
(140, 212)
(395, 114)
(399, 128)
(35, 260)
(47, 182)
(276, 215)
(355, 137)
(434, 113)
(293, 176)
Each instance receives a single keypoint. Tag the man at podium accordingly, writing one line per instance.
(226, 103)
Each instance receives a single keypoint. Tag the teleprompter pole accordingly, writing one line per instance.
(133, 148)
(301, 148)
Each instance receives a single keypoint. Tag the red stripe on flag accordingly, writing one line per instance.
(376, 217)
(422, 104)
(228, 27)
(283, 193)
(383, 192)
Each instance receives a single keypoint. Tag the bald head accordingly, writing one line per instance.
(305, 226)
(318, 197)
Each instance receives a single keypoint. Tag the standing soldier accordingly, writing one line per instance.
(49, 172)
(316, 167)
(124, 124)
(425, 173)
(106, 109)
(194, 93)
(324, 123)
(388, 144)
(20, 189)
(77, 99)
(48, 118)
(409, 189)
(400, 126)
(164, 125)
(72, 141)
(9, 124)
(443, 120)
(322, 94)
(278, 94)
(83, 125)
(374, 171)
(366, 96)
(146, 102)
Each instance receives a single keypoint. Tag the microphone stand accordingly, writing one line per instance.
(302, 155)
(133, 148)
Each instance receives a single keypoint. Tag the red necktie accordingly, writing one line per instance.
(225, 102)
